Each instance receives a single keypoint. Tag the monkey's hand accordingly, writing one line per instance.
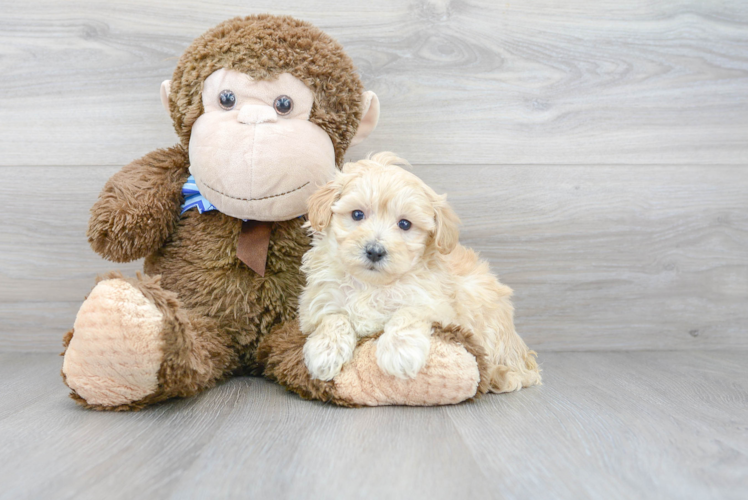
(139, 206)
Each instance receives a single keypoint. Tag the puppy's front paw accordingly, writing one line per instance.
(403, 353)
(328, 349)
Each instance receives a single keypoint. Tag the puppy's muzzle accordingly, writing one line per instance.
(375, 252)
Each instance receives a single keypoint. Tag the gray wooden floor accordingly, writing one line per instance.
(605, 425)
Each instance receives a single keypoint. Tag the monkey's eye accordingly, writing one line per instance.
(404, 224)
(357, 215)
(227, 99)
(283, 104)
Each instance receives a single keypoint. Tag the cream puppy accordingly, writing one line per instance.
(385, 258)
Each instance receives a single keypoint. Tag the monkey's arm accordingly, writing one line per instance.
(139, 206)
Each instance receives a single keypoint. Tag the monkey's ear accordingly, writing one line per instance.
(447, 231)
(165, 91)
(369, 117)
(320, 205)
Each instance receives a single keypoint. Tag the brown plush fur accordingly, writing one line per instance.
(199, 263)
(139, 206)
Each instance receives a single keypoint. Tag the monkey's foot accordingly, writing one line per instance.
(452, 374)
(116, 351)
(456, 370)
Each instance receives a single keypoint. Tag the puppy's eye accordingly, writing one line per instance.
(283, 104)
(357, 215)
(227, 99)
(404, 224)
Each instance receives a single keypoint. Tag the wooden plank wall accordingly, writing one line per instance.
(597, 152)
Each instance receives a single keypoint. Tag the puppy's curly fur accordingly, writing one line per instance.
(385, 258)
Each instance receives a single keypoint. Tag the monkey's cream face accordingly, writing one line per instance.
(383, 222)
(253, 152)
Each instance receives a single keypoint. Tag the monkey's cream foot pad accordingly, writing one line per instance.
(116, 350)
(450, 376)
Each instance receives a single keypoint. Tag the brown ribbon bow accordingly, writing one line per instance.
(252, 246)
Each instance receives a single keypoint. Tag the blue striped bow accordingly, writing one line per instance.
(193, 198)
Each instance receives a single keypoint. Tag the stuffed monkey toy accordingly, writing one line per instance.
(264, 108)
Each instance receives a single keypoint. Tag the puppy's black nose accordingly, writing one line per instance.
(375, 252)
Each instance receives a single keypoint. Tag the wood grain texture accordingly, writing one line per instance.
(645, 425)
(600, 257)
(477, 81)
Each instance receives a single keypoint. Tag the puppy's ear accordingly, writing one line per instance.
(320, 205)
(447, 232)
